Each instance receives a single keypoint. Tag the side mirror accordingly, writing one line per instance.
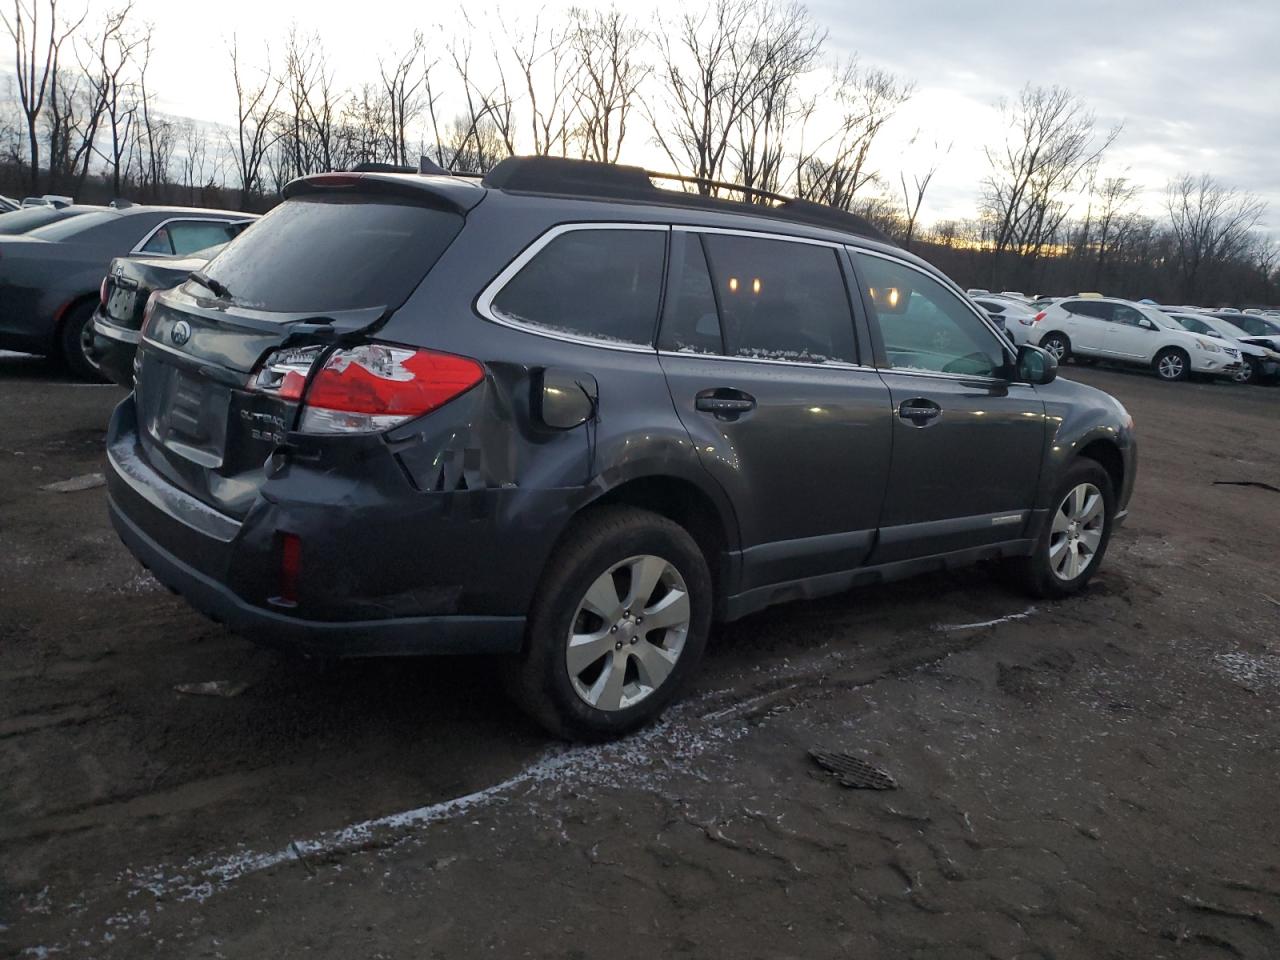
(1146, 324)
(1036, 366)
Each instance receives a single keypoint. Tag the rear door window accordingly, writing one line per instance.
(602, 284)
(780, 299)
(325, 254)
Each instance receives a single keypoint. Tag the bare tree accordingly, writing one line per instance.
(1051, 143)
(608, 48)
(403, 80)
(38, 34)
(913, 194)
(256, 129)
(115, 58)
(1210, 224)
(478, 138)
(550, 66)
(715, 66)
(764, 127)
(193, 153)
(1115, 221)
(836, 168)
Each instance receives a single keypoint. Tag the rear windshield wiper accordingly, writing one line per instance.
(200, 277)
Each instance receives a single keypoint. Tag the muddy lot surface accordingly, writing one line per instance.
(1097, 778)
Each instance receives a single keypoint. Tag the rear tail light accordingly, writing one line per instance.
(102, 292)
(366, 388)
(148, 312)
(1033, 321)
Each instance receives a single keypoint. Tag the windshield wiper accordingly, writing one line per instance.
(219, 291)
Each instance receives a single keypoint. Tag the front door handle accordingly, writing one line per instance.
(724, 402)
(919, 412)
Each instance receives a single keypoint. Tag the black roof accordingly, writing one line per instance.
(563, 177)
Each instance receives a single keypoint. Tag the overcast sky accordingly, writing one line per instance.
(1196, 84)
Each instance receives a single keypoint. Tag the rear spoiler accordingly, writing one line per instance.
(452, 194)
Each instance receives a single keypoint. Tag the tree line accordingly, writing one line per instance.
(734, 91)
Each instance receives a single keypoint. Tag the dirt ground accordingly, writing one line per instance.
(1095, 778)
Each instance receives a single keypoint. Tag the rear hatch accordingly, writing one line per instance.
(327, 266)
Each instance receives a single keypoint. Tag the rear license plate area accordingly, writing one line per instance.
(121, 303)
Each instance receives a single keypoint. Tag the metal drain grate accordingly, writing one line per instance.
(852, 771)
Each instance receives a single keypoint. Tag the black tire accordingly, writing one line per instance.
(1251, 372)
(75, 338)
(1036, 572)
(1172, 365)
(539, 678)
(1058, 344)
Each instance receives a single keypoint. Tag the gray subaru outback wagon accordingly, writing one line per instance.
(563, 415)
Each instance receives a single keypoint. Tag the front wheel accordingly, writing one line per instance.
(1248, 372)
(1172, 364)
(1071, 547)
(618, 625)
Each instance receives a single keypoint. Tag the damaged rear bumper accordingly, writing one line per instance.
(442, 586)
(402, 636)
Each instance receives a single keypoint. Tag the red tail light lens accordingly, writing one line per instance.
(102, 292)
(1036, 319)
(367, 388)
(148, 312)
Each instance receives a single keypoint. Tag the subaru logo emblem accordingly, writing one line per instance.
(180, 333)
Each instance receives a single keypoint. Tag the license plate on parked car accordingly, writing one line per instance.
(120, 304)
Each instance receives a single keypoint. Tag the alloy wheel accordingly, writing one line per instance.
(1244, 374)
(1056, 348)
(1170, 366)
(1076, 535)
(628, 633)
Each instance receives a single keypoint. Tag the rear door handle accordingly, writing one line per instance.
(919, 412)
(724, 402)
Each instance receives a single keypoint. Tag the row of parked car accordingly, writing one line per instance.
(1177, 342)
(559, 414)
(54, 299)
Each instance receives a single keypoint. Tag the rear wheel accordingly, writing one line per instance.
(1057, 344)
(1075, 537)
(1172, 364)
(76, 341)
(618, 625)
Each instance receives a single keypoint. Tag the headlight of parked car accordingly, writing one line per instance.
(1208, 347)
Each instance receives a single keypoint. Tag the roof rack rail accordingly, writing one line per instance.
(561, 176)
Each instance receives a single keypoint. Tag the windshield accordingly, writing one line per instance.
(68, 229)
(324, 254)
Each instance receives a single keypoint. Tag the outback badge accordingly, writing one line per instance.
(180, 333)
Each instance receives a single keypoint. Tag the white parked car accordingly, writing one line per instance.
(1106, 328)
(1259, 363)
(1018, 319)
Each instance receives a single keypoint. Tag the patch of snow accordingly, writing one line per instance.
(1252, 671)
(950, 627)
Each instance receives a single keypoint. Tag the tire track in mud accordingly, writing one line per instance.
(689, 731)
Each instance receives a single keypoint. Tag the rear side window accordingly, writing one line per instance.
(1089, 308)
(601, 284)
(780, 300)
(323, 254)
(187, 236)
